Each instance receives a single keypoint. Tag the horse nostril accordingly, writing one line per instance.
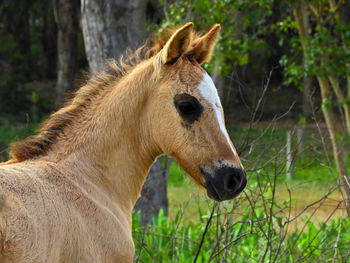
(233, 182)
(234, 178)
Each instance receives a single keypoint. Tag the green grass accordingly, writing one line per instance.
(246, 240)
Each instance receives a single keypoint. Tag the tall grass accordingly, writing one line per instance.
(249, 238)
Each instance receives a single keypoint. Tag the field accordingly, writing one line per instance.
(274, 220)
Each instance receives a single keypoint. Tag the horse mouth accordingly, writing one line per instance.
(215, 195)
(212, 193)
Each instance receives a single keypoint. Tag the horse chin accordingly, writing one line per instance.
(213, 194)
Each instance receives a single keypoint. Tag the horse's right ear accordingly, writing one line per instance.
(177, 44)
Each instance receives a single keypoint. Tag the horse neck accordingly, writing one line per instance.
(111, 144)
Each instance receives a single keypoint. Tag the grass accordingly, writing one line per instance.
(249, 239)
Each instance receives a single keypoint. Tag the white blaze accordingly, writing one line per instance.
(208, 91)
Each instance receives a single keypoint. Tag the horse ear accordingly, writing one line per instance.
(203, 47)
(177, 44)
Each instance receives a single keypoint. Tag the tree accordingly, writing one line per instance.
(109, 29)
(112, 27)
(154, 192)
(324, 38)
(66, 16)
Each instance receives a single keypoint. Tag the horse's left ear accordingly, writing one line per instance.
(203, 47)
(177, 44)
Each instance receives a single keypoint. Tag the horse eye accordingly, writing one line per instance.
(188, 107)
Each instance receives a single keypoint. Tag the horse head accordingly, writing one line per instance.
(188, 121)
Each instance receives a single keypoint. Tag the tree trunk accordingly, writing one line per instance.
(109, 29)
(112, 27)
(342, 99)
(342, 15)
(66, 16)
(154, 193)
(289, 155)
(49, 46)
(331, 123)
(302, 20)
(347, 106)
(307, 98)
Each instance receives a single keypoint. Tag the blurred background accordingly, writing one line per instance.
(282, 70)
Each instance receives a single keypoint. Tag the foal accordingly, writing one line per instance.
(67, 194)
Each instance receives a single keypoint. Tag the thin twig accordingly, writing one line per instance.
(313, 203)
(229, 244)
(336, 244)
(204, 233)
(166, 236)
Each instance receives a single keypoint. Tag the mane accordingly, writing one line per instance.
(51, 129)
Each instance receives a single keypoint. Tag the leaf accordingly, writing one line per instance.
(326, 103)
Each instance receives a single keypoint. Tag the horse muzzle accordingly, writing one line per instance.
(225, 183)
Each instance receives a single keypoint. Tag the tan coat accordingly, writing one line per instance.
(50, 215)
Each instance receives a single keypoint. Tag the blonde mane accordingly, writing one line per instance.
(52, 128)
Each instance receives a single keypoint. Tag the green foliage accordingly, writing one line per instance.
(247, 239)
(321, 242)
(326, 103)
(241, 29)
(326, 52)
